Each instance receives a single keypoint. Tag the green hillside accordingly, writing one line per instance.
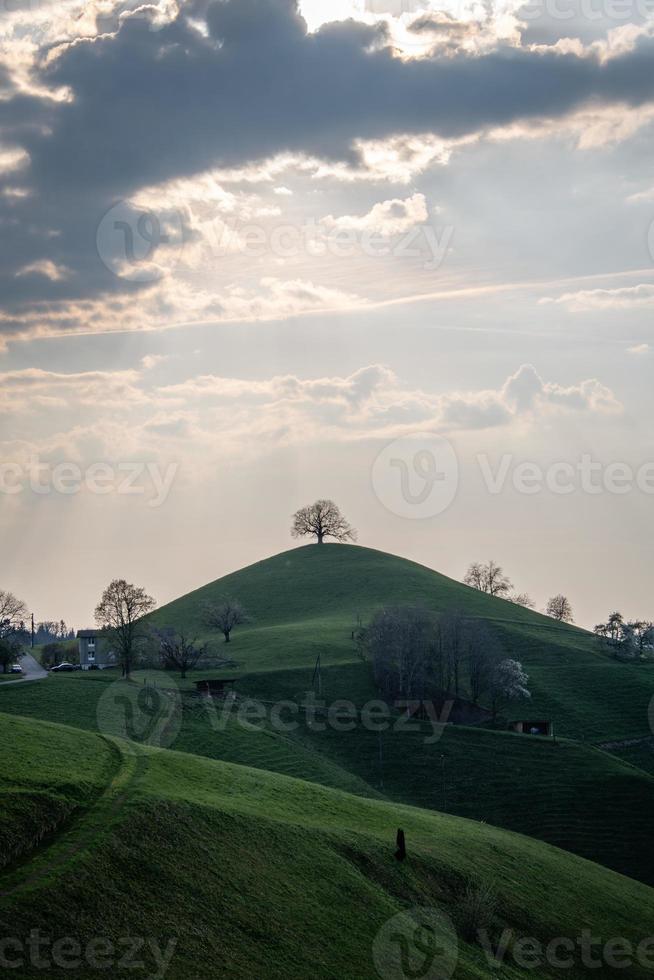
(306, 602)
(563, 792)
(239, 873)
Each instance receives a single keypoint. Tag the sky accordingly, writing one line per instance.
(396, 253)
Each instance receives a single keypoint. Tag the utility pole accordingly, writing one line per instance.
(32, 631)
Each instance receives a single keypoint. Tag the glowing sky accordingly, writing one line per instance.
(261, 254)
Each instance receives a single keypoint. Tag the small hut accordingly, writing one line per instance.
(221, 689)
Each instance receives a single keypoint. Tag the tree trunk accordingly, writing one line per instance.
(226, 635)
(320, 537)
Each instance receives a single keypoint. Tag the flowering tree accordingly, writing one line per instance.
(508, 682)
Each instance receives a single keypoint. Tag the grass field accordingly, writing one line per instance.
(566, 793)
(242, 873)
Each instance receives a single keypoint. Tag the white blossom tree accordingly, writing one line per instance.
(508, 682)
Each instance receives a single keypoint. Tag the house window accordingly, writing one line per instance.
(91, 657)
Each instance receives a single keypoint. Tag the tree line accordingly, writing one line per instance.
(122, 616)
(626, 639)
(418, 655)
(491, 579)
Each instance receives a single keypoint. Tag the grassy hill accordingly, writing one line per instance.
(240, 873)
(306, 602)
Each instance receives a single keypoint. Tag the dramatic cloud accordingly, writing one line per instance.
(126, 102)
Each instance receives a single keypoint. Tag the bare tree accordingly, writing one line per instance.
(401, 642)
(225, 615)
(454, 638)
(522, 599)
(177, 651)
(322, 520)
(488, 578)
(613, 633)
(559, 607)
(13, 613)
(119, 612)
(484, 653)
(642, 632)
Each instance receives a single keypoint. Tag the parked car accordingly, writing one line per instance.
(64, 668)
(15, 669)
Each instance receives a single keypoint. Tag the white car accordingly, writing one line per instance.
(15, 669)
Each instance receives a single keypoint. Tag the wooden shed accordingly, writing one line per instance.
(219, 688)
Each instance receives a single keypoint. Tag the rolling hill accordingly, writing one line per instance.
(220, 870)
(307, 601)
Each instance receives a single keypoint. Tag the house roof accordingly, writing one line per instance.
(89, 634)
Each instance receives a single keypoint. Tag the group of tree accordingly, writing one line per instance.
(122, 615)
(416, 654)
(490, 578)
(51, 631)
(13, 614)
(626, 639)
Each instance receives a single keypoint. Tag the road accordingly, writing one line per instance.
(32, 671)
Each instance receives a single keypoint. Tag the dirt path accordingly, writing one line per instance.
(92, 825)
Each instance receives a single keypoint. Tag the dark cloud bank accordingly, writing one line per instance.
(154, 103)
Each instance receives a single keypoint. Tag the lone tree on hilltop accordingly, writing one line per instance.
(559, 607)
(119, 612)
(225, 615)
(322, 520)
(489, 578)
